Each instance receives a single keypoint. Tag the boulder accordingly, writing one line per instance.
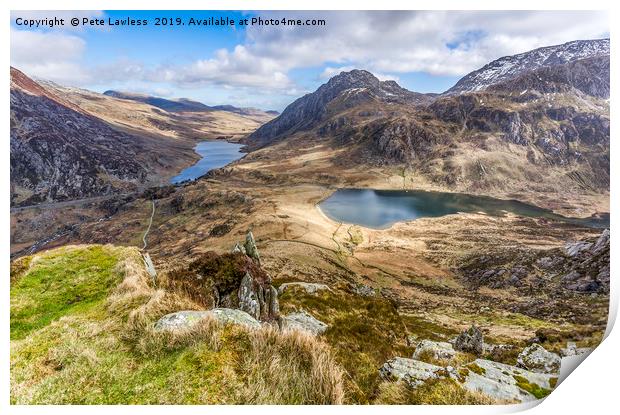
(303, 321)
(470, 341)
(363, 290)
(601, 242)
(575, 248)
(308, 287)
(258, 299)
(571, 349)
(437, 350)
(413, 372)
(536, 359)
(503, 382)
(182, 320)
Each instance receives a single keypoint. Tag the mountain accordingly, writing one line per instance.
(351, 88)
(510, 67)
(540, 116)
(179, 105)
(187, 105)
(59, 151)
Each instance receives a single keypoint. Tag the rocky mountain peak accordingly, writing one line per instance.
(510, 67)
(351, 88)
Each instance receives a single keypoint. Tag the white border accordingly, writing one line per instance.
(593, 388)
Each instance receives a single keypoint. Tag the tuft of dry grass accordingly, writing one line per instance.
(290, 367)
(435, 392)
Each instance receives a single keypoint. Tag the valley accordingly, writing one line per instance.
(539, 135)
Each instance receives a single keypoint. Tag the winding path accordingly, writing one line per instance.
(148, 229)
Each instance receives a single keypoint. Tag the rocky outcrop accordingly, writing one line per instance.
(308, 287)
(411, 371)
(305, 322)
(183, 320)
(536, 359)
(571, 349)
(504, 382)
(436, 350)
(501, 382)
(470, 341)
(232, 280)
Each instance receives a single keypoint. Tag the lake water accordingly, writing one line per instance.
(379, 209)
(215, 154)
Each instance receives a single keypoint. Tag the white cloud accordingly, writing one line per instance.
(54, 56)
(386, 43)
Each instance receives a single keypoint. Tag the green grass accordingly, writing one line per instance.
(538, 391)
(58, 283)
(102, 349)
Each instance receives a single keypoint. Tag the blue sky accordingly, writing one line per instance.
(269, 67)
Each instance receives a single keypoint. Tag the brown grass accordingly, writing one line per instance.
(436, 392)
(290, 367)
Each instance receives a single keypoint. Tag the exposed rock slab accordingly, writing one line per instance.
(308, 287)
(413, 372)
(304, 321)
(182, 320)
(502, 382)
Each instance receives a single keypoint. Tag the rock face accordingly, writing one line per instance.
(351, 88)
(182, 320)
(308, 287)
(413, 372)
(60, 152)
(233, 280)
(304, 321)
(470, 341)
(536, 359)
(504, 382)
(437, 350)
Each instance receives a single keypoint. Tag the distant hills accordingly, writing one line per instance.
(184, 104)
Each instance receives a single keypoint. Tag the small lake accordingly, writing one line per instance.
(215, 154)
(380, 209)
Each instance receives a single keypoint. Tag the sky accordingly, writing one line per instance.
(270, 66)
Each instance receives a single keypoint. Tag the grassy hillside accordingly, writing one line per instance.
(81, 329)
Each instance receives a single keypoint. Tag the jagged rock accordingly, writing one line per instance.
(304, 321)
(438, 350)
(181, 320)
(231, 280)
(536, 359)
(470, 341)
(571, 349)
(238, 248)
(502, 382)
(575, 248)
(248, 299)
(308, 287)
(250, 247)
(413, 372)
(601, 242)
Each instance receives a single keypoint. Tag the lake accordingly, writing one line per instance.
(215, 154)
(379, 209)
